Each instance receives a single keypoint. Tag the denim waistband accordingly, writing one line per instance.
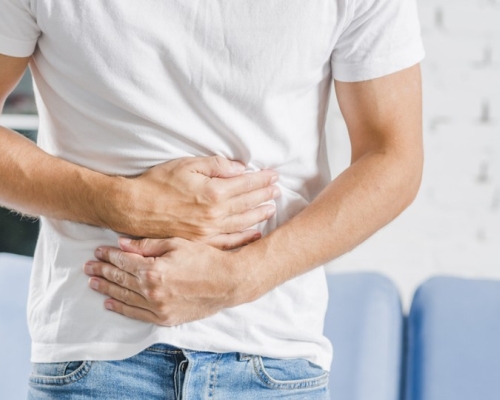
(164, 348)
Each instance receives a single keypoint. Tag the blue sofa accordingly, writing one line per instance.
(447, 348)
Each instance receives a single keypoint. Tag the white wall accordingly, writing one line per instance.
(453, 227)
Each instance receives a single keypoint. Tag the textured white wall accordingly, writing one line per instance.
(453, 227)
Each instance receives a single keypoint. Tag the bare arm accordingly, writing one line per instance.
(189, 281)
(384, 120)
(190, 198)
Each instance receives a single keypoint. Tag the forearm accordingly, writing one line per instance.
(207, 199)
(166, 281)
(383, 117)
(365, 197)
(36, 183)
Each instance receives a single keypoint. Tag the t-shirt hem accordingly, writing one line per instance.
(101, 351)
(16, 48)
(372, 69)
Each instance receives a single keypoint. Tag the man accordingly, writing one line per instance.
(135, 101)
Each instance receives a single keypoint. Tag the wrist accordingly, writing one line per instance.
(252, 273)
(115, 209)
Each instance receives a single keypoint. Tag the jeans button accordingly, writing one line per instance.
(183, 366)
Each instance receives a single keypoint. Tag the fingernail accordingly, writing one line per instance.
(94, 284)
(124, 240)
(276, 193)
(108, 305)
(257, 236)
(98, 252)
(89, 268)
(274, 179)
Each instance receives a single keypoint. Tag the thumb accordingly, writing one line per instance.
(145, 247)
(218, 167)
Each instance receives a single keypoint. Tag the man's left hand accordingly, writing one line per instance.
(167, 281)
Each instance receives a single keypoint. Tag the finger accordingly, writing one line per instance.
(138, 313)
(240, 222)
(148, 247)
(244, 183)
(127, 262)
(248, 201)
(117, 292)
(234, 240)
(113, 274)
(217, 167)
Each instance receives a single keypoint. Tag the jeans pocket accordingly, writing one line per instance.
(296, 373)
(60, 373)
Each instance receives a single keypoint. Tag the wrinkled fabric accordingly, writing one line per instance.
(123, 86)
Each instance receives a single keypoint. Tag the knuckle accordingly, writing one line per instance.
(213, 214)
(125, 296)
(215, 194)
(149, 263)
(119, 259)
(147, 293)
(118, 277)
(150, 274)
(201, 231)
(164, 311)
(204, 231)
(153, 294)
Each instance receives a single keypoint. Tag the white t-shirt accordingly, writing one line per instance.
(122, 86)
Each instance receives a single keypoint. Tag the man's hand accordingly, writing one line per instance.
(191, 280)
(205, 199)
(167, 281)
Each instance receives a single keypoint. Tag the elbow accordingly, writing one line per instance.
(410, 178)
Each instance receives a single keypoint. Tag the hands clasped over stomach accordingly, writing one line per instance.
(202, 205)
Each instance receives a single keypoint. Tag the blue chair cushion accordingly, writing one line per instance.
(454, 340)
(364, 322)
(14, 337)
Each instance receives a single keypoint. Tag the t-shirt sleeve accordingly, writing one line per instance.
(380, 37)
(19, 31)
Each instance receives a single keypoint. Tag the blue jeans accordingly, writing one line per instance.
(166, 372)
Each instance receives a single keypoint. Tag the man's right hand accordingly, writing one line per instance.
(206, 199)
